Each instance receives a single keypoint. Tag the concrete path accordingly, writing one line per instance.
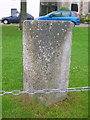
(81, 25)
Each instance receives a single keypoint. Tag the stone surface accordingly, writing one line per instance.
(46, 57)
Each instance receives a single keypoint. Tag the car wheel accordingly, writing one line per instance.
(5, 21)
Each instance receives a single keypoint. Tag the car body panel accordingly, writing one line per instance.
(16, 19)
(66, 15)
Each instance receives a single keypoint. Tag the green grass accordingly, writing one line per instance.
(12, 58)
(0, 57)
(23, 106)
(79, 58)
(0, 70)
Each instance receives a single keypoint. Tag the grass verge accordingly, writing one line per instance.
(23, 106)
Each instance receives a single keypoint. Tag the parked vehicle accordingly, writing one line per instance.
(15, 19)
(66, 15)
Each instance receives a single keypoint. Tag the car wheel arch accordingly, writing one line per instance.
(73, 22)
(6, 22)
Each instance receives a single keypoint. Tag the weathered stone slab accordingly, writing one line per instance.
(46, 57)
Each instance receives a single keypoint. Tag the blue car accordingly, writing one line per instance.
(66, 15)
(15, 19)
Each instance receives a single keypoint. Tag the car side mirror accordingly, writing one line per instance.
(50, 16)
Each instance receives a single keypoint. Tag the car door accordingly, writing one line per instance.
(55, 16)
(14, 19)
(66, 15)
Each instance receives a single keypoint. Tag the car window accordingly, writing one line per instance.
(66, 14)
(57, 14)
(17, 14)
(73, 14)
(28, 15)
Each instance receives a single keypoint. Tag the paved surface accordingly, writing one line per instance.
(9, 24)
(81, 25)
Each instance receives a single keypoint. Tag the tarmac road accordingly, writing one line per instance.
(81, 25)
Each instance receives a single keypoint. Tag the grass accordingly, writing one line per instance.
(12, 58)
(0, 70)
(23, 106)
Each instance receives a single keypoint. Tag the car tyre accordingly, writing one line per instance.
(5, 21)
